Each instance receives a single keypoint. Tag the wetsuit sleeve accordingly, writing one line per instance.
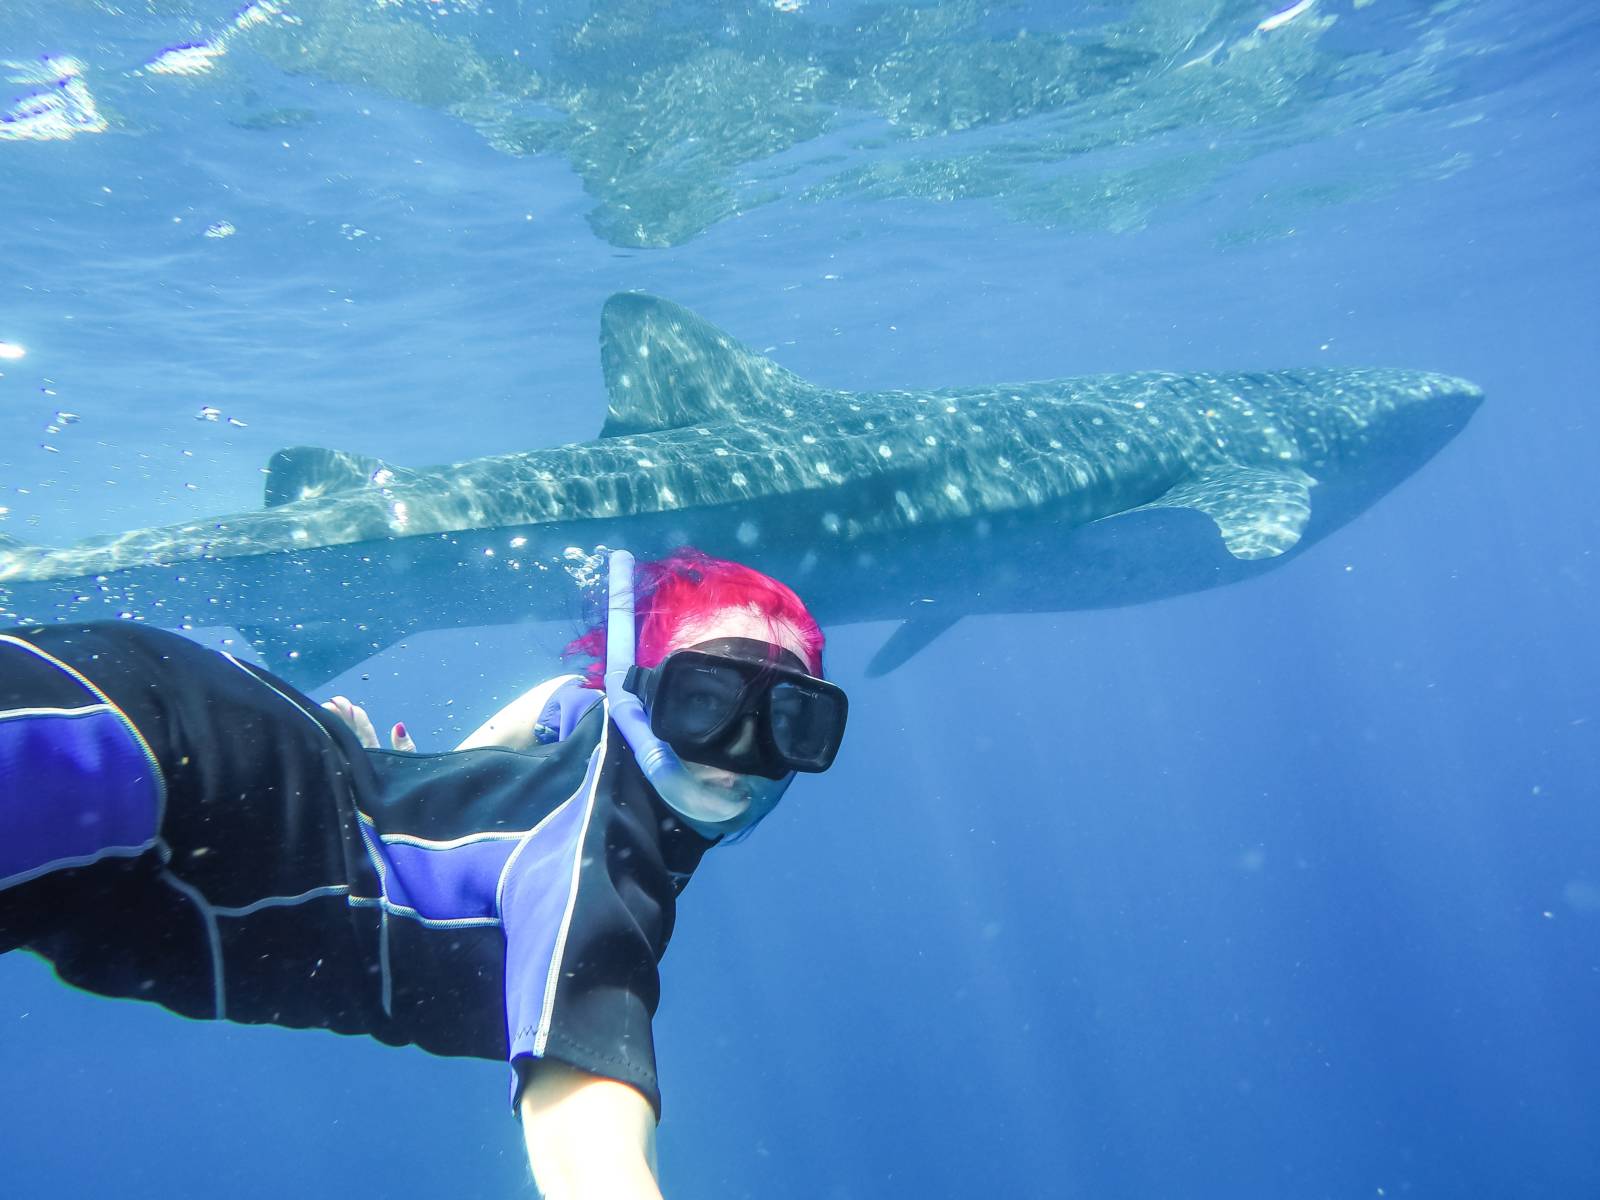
(587, 906)
(179, 827)
(78, 782)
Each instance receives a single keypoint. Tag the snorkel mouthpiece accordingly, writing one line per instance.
(710, 811)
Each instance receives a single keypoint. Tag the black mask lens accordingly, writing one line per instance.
(755, 716)
(703, 700)
(806, 723)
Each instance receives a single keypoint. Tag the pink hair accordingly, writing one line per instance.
(687, 587)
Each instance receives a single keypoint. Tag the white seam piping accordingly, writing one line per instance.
(88, 710)
(278, 693)
(244, 910)
(383, 962)
(149, 754)
(363, 822)
(541, 1037)
(369, 834)
(505, 871)
(378, 863)
(401, 910)
(83, 860)
(421, 843)
(213, 936)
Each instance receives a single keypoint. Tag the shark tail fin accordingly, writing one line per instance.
(306, 472)
(667, 368)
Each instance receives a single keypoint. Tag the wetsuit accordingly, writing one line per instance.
(182, 827)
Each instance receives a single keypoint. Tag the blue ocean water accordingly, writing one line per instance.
(1284, 889)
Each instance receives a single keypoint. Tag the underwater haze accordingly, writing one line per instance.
(1283, 889)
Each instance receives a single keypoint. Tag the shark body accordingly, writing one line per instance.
(921, 506)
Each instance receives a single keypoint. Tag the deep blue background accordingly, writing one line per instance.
(1291, 889)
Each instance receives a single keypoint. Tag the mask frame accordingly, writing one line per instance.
(702, 698)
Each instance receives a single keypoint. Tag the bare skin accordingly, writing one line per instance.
(588, 1137)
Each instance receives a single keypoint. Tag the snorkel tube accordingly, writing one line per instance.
(710, 810)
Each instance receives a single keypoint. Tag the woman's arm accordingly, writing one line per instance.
(514, 725)
(588, 1138)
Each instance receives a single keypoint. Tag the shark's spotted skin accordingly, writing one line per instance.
(1072, 493)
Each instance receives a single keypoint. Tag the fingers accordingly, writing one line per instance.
(365, 733)
(356, 718)
(361, 725)
(343, 709)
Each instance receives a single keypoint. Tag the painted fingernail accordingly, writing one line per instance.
(400, 729)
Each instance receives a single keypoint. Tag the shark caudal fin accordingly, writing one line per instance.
(307, 472)
(667, 368)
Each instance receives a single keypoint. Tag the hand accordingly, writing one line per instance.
(360, 724)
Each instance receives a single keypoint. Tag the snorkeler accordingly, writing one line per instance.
(182, 827)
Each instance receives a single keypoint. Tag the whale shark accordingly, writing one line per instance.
(921, 507)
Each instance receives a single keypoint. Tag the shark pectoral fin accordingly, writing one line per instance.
(912, 637)
(1261, 512)
(306, 472)
(667, 368)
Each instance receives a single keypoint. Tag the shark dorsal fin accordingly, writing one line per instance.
(667, 368)
(306, 472)
(1260, 511)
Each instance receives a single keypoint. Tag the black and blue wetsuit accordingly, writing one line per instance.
(182, 827)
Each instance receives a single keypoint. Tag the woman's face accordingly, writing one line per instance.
(736, 623)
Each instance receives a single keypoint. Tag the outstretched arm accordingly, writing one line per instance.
(588, 1138)
(513, 726)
